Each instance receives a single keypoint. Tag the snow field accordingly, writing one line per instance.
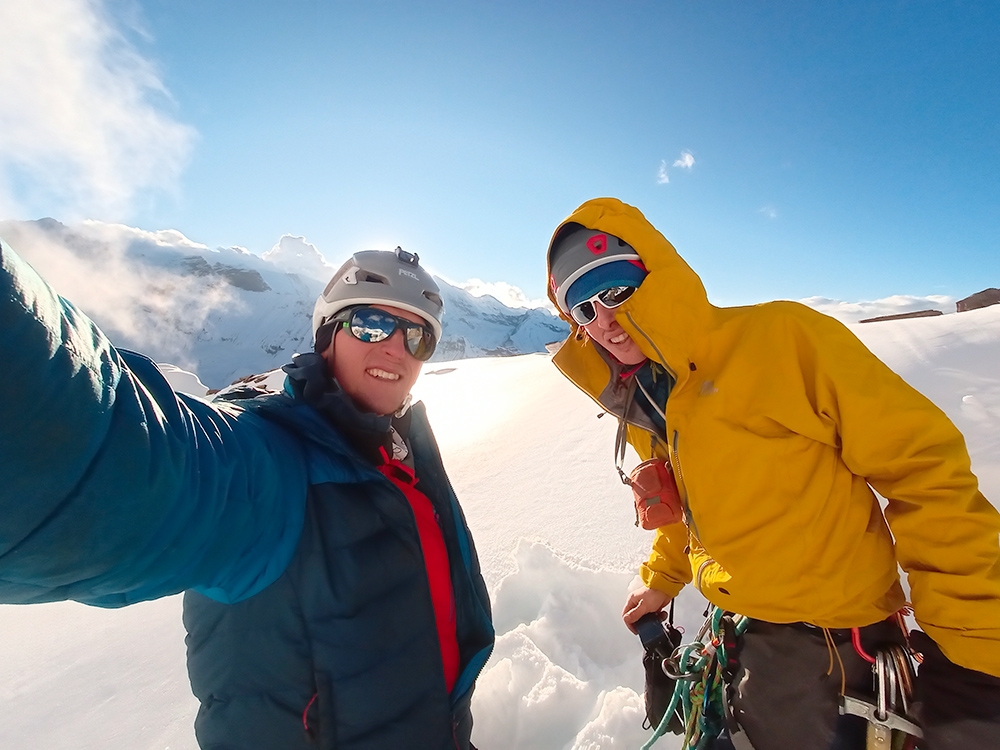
(533, 467)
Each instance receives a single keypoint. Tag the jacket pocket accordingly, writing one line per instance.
(710, 578)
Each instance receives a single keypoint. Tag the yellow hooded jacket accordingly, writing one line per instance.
(778, 427)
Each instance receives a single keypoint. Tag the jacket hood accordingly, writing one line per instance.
(668, 314)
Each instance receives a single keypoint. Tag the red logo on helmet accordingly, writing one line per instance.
(552, 283)
(598, 244)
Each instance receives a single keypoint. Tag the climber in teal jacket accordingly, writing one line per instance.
(334, 593)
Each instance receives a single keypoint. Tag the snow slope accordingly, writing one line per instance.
(553, 525)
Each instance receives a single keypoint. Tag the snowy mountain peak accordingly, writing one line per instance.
(293, 254)
(225, 313)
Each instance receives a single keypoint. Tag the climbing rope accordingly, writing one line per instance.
(698, 670)
(701, 669)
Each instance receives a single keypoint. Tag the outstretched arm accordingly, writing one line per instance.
(112, 488)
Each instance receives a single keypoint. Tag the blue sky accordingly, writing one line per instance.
(841, 149)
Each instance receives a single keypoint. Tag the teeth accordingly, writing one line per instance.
(618, 339)
(382, 374)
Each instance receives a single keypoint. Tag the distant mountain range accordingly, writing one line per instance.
(226, 313)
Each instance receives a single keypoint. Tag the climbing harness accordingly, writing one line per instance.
(700, 670)
(698, 708)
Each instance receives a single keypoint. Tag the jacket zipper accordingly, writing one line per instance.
(679, 476)
(676, 457)
(659, 355)
(479, 659)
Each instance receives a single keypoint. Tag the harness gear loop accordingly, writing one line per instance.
(856, 641)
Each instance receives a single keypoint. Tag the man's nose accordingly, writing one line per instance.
(605, 317)
(395, 345)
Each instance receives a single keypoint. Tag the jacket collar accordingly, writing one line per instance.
(309, 383)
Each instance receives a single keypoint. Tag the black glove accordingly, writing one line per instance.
(658, 693)
(949, 694)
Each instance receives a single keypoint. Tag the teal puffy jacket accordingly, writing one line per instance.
(312, 625)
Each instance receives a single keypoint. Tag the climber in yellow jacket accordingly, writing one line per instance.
(780, 426)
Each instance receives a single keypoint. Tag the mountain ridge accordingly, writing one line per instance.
(226, 313)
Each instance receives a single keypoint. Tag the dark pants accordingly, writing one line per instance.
(783, 699)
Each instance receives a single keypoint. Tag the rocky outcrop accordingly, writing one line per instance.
(241, 278)
(900, 316)
(984, 298)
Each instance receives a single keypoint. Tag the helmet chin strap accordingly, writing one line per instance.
(404, 407)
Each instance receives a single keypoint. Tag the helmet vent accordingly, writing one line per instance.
(435, 298)
(372, 278)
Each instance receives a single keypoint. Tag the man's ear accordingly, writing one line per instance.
(327, 354)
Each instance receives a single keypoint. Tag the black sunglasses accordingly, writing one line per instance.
(371, 325)
(585, 312)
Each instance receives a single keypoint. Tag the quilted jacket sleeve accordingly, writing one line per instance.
(668, 568)
(947, 534)
(112, 488)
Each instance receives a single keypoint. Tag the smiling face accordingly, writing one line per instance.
(376, 376)
(606, 331)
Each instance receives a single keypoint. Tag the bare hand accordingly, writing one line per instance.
(641, 602)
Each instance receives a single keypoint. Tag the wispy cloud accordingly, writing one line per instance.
(85, 123)
(662, 178)
(686, 160)
(851, 312)
(508, 294)
(769, 212)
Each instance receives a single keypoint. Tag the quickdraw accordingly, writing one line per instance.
(700, 669)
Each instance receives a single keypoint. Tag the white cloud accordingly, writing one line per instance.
(852, 312)
(769, 211)
(83, 126)
(686, 161)
(662, 178)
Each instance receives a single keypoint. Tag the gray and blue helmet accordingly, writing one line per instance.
(382, 277)
(584, 261)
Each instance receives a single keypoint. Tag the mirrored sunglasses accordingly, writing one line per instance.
(371, 325)
(585, 312)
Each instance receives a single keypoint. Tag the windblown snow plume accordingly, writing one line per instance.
(85, 123)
